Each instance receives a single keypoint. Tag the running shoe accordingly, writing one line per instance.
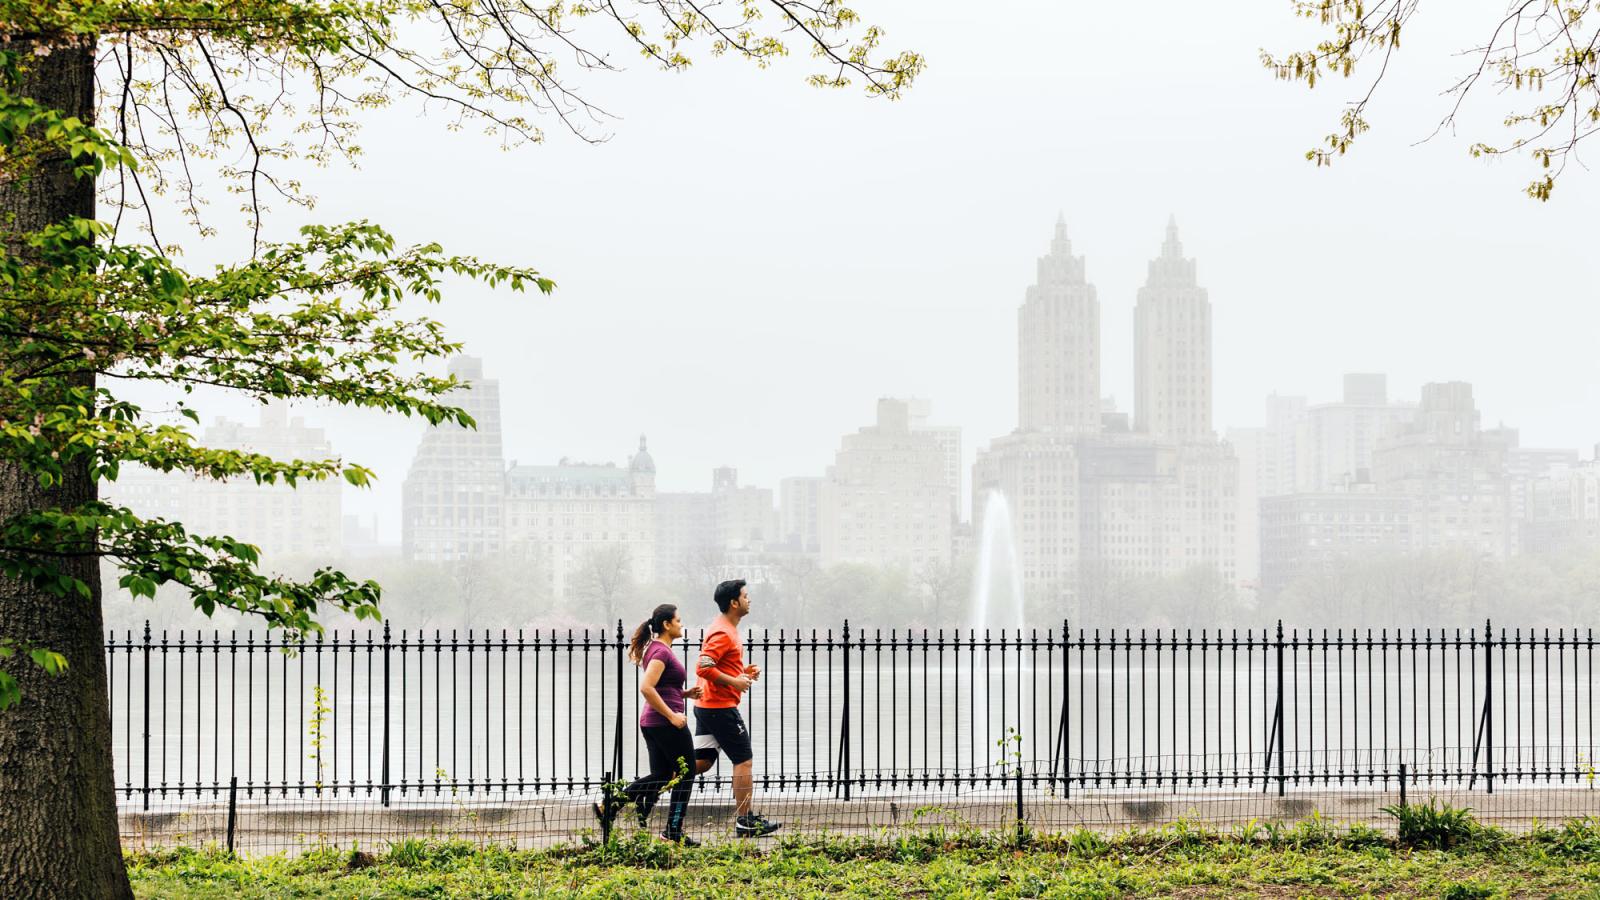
(753, 825)
(608, 807)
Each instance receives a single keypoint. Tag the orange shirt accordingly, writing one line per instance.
(723, 648)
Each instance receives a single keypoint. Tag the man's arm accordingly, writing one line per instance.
(706, 670)
(710, 653)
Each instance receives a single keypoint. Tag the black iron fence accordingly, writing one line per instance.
(393, 714)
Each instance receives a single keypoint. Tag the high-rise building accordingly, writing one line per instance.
(1172, 349)
(1531, 466)
(746, 518)
(1453, 470)
(1563, 508)
(886, 498)
(1341, 437)
(948, 437)
(1324, 446)
(686, 535)
(1311, 450)
(282, 520)
(799, 513)
(1037, 475)
(699, 533)
(1249, 445)
(453, 500)
(1058, 345)
(1284, 464)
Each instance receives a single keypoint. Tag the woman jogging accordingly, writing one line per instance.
(662, 721)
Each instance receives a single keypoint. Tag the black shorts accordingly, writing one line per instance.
(721, 728)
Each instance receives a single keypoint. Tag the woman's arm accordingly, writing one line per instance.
(647, 687)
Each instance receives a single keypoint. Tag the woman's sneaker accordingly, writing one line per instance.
(608, 807)
(753, 825)
(682, 840)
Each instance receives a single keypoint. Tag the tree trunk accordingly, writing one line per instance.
(58, 812)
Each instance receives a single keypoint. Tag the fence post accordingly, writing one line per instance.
(1279, 717)
(1063, 741)
(1402, 784)
(1488, 704)
(233, 806)
(386, 646)
(616, 747)
(147, 715)
(844, 720)
(1022, 826)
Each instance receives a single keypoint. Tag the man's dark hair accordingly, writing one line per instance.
(727, 592)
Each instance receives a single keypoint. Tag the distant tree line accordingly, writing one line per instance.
(1438, 589)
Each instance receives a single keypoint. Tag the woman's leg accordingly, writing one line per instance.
(646, 789)
(681, 750)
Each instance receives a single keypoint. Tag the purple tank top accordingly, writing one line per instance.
(669, 685)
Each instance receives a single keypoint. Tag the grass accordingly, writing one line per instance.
(1312, 859)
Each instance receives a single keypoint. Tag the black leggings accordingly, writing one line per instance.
(668, 746)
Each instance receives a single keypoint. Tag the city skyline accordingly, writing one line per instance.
(1102, 496)
(761, 459)
(754, 337)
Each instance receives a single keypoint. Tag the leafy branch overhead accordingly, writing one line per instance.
(195, 92)
(314, 319)
(1544, 51)
(207, 92)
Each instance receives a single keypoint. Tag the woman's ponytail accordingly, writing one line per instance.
(648, 629)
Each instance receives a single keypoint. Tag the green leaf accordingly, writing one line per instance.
(49, 660)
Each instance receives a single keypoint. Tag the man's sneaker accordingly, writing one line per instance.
(754, 826)
(682, 840)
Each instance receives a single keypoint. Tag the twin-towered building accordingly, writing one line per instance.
(1095, 499)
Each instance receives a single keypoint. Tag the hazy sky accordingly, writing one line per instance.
(748, 263)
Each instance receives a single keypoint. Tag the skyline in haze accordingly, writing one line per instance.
(748, 263)
(755, 453)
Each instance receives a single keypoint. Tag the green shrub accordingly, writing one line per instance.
(1433, 825)
(1364, 837)
(1578, 838)
(1313, 832)
(1086, 844)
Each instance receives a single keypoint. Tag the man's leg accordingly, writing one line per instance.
(705, 744)
(743, 787)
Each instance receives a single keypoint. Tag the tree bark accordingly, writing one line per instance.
(58, 812)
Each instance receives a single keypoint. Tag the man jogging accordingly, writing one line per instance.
(718, 725)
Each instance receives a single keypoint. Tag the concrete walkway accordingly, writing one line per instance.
(530, 820)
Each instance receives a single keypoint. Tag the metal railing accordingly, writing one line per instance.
(396, 714)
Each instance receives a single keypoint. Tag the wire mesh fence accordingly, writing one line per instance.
(508, 737)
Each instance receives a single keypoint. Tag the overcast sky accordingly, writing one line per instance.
(748, 263)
